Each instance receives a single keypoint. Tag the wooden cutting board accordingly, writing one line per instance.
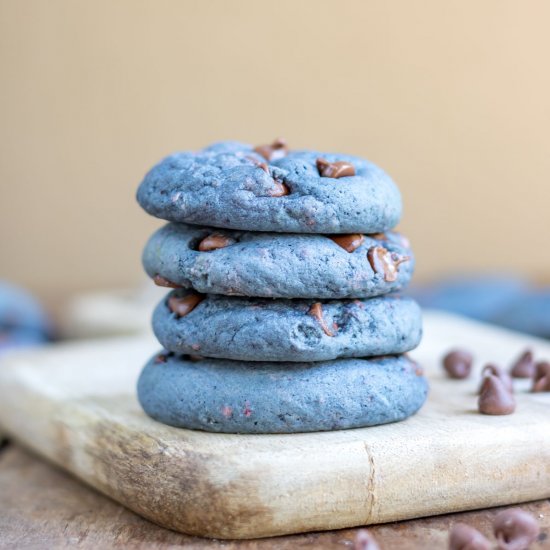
(75, 405)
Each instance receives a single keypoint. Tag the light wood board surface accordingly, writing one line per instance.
(75, 405)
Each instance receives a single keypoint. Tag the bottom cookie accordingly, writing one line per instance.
(218, 395)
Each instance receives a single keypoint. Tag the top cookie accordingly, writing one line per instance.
(234, 186)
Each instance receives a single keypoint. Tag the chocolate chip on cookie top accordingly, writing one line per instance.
(349, 242)
(159, 280)
(276, 150)
(386, 262)
(215, 241)
(337, 169)
(316, 310)
(182, 305)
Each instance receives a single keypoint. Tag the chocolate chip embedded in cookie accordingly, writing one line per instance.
(338, 169)
(316, 310)
(274, 151)
(159, 280)
(383, 261)
(349, 242)
(182, 305)
(215, 241)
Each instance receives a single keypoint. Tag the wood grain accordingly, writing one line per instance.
(43, 507)
(75, 404)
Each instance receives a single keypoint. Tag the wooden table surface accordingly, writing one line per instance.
(43, 507)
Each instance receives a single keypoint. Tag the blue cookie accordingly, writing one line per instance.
(234, 397)
(251, 329)
(22, 319)
(233, 186)
(278, 265)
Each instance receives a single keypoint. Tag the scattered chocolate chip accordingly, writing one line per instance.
(160, 359)
(215, 241)
(159, 280)
(337, 169)
(182, 305)
(504, 377)
(515, 529)
(275, 151)
(280, 189)
(524, 367)
(495, 398)
(382, 261)
(541, 379)
(464, 537)
(316, 310)
(458, 363)
(349, 242)
(365, 541)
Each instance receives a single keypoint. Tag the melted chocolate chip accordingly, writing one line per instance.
(382, 261)
(159, 280)
(494, 398)
(280, 189)
(338, 169)
(464, 537)
(316, 310)
(349, 242)
(182, 305)
(365, 541)
(504, 377)
(378, 236)
(215, 241)
(524, 367)
(541, 379)
(275, 151)
(458, 363)
(515, 529)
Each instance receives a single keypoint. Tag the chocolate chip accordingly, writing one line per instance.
(458, 363)
(316, 310)
(382, 261)
(161, 359)
(524, 367)
(504, 377)
(275, 151)
(349, 242)
(215, 241)
(195, 358)
(280, 189)
(541, 379)
(182, 305)
(515, 529)
(159, 280)
(365, 541)
(464, 537)
(494, 398)
(337, 169)
(378, 236)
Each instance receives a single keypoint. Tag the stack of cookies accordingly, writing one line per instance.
(283, 315)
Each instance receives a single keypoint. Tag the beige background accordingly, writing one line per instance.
(452, 98)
